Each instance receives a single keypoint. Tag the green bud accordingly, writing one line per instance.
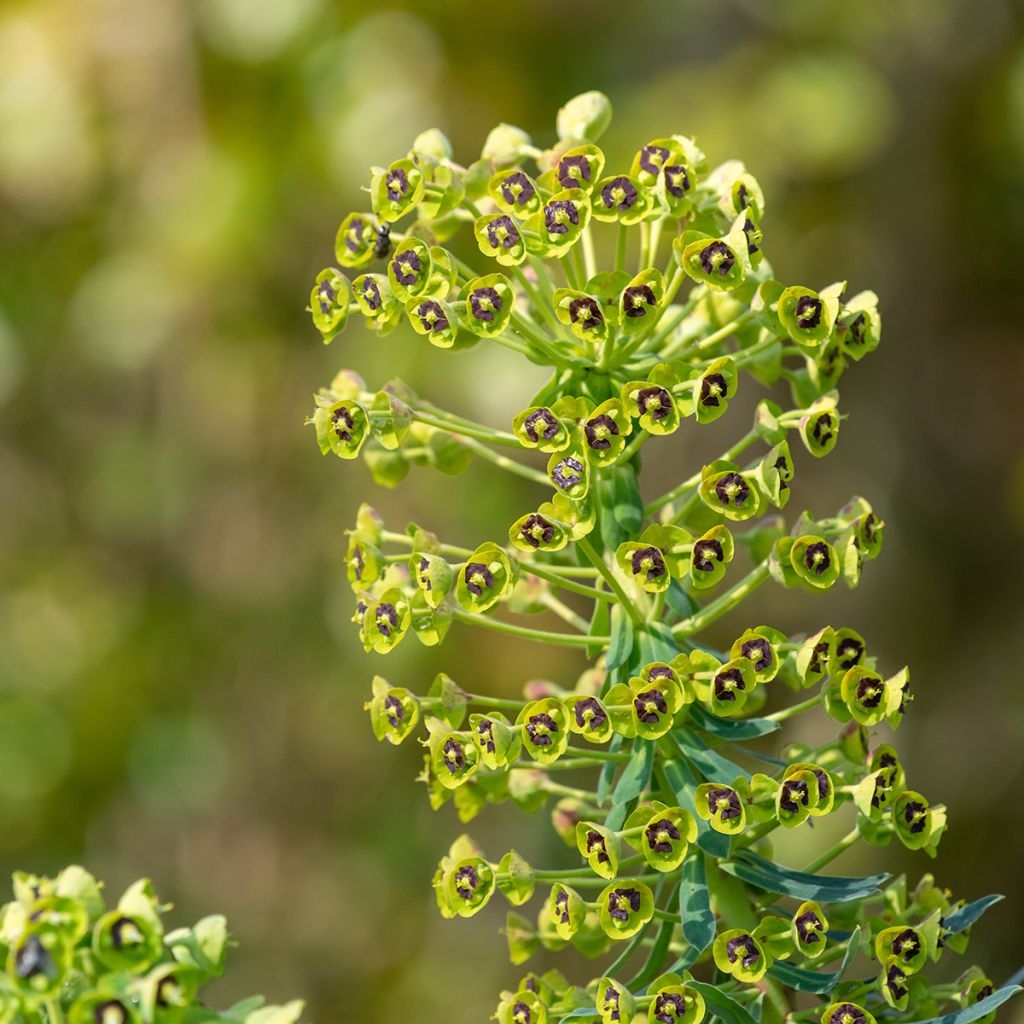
(521, 938)
(505, 145)
(585, 117)
(515, 878)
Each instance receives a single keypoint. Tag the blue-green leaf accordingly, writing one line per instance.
(708, 762)
(732, 729)
(635, 777)
(724, 1007)
(621, 641)
(963, 918)
(663, 644)
(582, 1012)
(604, 782)
(978, 1010)
(684, 786)
(819, 982)
(695, 905)
(680, 601)
(763, 874)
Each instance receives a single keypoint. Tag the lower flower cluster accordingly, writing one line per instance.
(71, 960)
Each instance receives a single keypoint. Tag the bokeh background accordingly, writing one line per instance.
(180, 687)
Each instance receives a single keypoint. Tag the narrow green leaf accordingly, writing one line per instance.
(980, 1009)
(663, 646)
(695, 905)
(818, 982)
(582, 1012)
(634, 779)
(708, 762)
(621, 641)
(604, 781)
(763, 874)
(724, 1007)
(963, 918)
(729, 729)
(680, 601)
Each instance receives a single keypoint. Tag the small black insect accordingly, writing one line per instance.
(382, 243)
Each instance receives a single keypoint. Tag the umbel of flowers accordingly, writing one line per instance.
(73, 958)
(671, 886)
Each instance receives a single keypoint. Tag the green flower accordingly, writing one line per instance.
(731, 493)
(554, 230)
(816, 656)
(773, 474)
(102, 1006)
(569, 470)
(434, 319)
(397, 189)
(605, 431)
(666, 835)
(658, 402)
(433, 576)
(484, 579)
(38, 961)
(454, 757)
(809, 929)
(498, 741)
(394, 711)
(711, 553)
(918, 825)
(715, 386)
(582, 314)
(814, 561)
(721, 262)
(486, 305)
(535, 532)
(375, 298)
(329, 302)
(722, 807)
(676, 1003)
(846, 1013)
(904, 944)
(545, 729)
(127, 942)
(514, 192)
(624, 907)
(469, 884)
(500, 236)
(859, 327)
(588, 717)
(341, 427)
(760, 646)
(730, 686)
(615, 1003)
(384, 621)
(621, 198)
(540, 427)
(409, 269)
(738, 953)
(808, 316)
(356, 240)
(819, 428)
(655, 697)
(867, 695)
(599, 847)
(895, 984)
(567, 909)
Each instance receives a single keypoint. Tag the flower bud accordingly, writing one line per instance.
(585, 117)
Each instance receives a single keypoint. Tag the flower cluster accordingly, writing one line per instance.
(71, 960)
(671, 818)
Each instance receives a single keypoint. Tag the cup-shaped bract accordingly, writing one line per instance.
(397, 189)
(809, 929)
(329, 303)
(434, 319)
(731, 685)
(469, 884)
(615, 1003)
(588, 717)
(487, 304)
(808, 316)
(127, 942)
(815, 656)
(38, 961)
(500, 236)
(656, 696)
(605, 431)
(815, 561)
(641, 300)
(737, 952)
(394, 711)
(903, 943)
(567, 910)
(599, 847)
(819, 427)
(866, 695)
(102, 1006)
(666, 838)
(676, 1004)
(545, 729)
(498, 741)
(846, 1013)
(722, 807)
(385, 621)
(534, 532)
(721, 262)
(539, 427)
(624, 907)
(797, 796)
(484, 579)
(375, 298)
(582, 314)
(711, 554)
(729, 492)
(715, 386)
(514, 192)
(760, 646)
(341, 427)
(355, 241)
(579, 168)
(859, 327)
(569, 470)
(912, 817)
(455, 757)
(644, 563)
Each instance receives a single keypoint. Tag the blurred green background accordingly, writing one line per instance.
(180, 687)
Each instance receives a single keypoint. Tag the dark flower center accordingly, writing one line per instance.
(600, 430)
(915, 814)
(706, 553)
(539, 728)
(397, 184)
(808, 925)
(502, 233)
(619, 193)
(906, 944)
(652, 158)
(395, 713)
(621, 902)
(386, 618)
(407, 267)
(595, 842)
(817, 558)
(759, 652)
(650, 706)
(33, 959)
(559, 214)
(824, 428)
(544, 416)
(573, 171)
(661, 834)
(484, 303)
(586, 312)
(562, 906)
(478, 577)
(732, 489)
(521, 1013)
(869, 692)
(517, 189)
(536, 530)
(895, 981)
(713, 388)
(808, 312)
(588, 711)
(454, 756)
(847, 1013)
(432, 316)
(727, 682)
(669, 1007)
(677, 180)
(742, 948)
(794, 793)
(343, 423)
(466, 881)
(354, 235)
(724, 803)
(485, 729)
(649, 562)
(655, 402)
(636, 299)
(567, 472)
(849, 653)
(611, 1004)
(371, 293)
(717, 257)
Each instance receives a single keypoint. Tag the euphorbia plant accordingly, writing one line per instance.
(73, 959)
(672, 887)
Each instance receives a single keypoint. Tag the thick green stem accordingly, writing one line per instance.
(727, 601)
(599, 563)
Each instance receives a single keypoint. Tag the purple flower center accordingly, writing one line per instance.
(808, 312)
(466, 881)
(588, 710)
(817, 558)
(544, 416)
(732, 489)
(432, 316)
(484, 303)
(677, 180)
(649, 562)
(344, 424)
(502, 233)
(654, 401)
(713, 388)
(794, 793)
(536, 530)
(727, 682)
(621, 902)
(568, 472)
(595, 842)
(586, 312)
(669, 1007)
(478, 576)
(407, 266)
(517, 189)
(397, 184)
(619, 193)
(600, 430)
(371, 293)
(386, 618)
(744, 949)
(706, 553)
(758, 651)
(661, 835)
(636, 299)
(395, 713)
(717, 257)
(454, 756)
(808, 924)
(573, 171)
(485, 730)
(724, 803)
(652, 158)
(650, 706)
(559, 215)
(354, 235)
(540, 727)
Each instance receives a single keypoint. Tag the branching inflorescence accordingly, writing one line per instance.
(71, 959)
(675, 886)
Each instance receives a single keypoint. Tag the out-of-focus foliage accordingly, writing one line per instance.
(179, 685)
